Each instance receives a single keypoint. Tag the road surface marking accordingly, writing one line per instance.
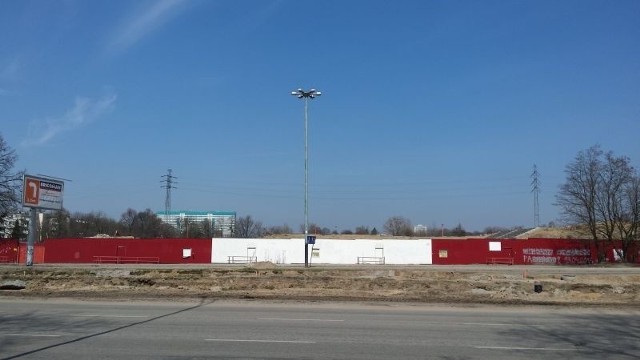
(499, 324)
(34, 335)
(111, 316)
(524, 348)
(288, 319)
(264, 341)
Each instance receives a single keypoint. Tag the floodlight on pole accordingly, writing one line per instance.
(306, 95)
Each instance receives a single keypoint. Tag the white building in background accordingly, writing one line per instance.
(420, 229)
(222, 222)
(9, 222)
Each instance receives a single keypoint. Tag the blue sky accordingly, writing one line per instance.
(432, 110)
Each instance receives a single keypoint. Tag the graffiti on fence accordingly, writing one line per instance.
(544, 256)
(537, 252)
(573, 252)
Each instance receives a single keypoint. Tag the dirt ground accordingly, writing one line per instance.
(428, 284)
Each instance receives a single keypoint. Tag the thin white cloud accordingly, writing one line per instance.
(144, 22)
(83, 112)
(9, 72)
(10, 69)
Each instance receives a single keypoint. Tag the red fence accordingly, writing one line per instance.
(198, 251)
(163, 251)
(38, 253)
(522, 252)
(9, 251)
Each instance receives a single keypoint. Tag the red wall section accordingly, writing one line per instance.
(38, 253)
(168, 251)
(9, 251)
(559, 251)
(459, 251)
(522, 252)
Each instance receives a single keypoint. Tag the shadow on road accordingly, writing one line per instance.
(598, 336)
(26, 323)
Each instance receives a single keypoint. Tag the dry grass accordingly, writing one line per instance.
(383, 283)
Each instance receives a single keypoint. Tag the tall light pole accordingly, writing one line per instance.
(306, 95)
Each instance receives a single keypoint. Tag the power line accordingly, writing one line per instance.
(168, 184)
(535, 189)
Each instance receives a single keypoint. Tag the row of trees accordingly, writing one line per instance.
(143, 224)
(247, 227)
(401, 226)
(146, 224)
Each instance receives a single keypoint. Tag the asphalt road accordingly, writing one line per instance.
(69, 329)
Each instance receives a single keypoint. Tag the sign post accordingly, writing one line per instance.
(39, 193)
(31, 238)
(42, 193)
(308, 240)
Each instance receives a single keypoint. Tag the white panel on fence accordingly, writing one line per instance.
(408, 251)
(334, 251)
(277, 251)
(495, 246)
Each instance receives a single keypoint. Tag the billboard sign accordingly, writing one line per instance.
(43, 193)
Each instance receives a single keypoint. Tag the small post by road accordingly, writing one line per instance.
(308, 239)
(31, 238)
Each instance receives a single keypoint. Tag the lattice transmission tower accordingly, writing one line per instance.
(535, 189)
(168, 183)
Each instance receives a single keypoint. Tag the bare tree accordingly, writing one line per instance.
(56, 224)
(601, 193)
(577, 196)
(20, 229)
(398, 226)
(148, 225)
(91, 224)
(314, 229)
(628, 225)
(10, 181)
(362, 230)
(458, 230)
(195, 229)
(126, 221)
(247, 227)
(614, 175)
(283, 229)
(207, 228)
(184, 227)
